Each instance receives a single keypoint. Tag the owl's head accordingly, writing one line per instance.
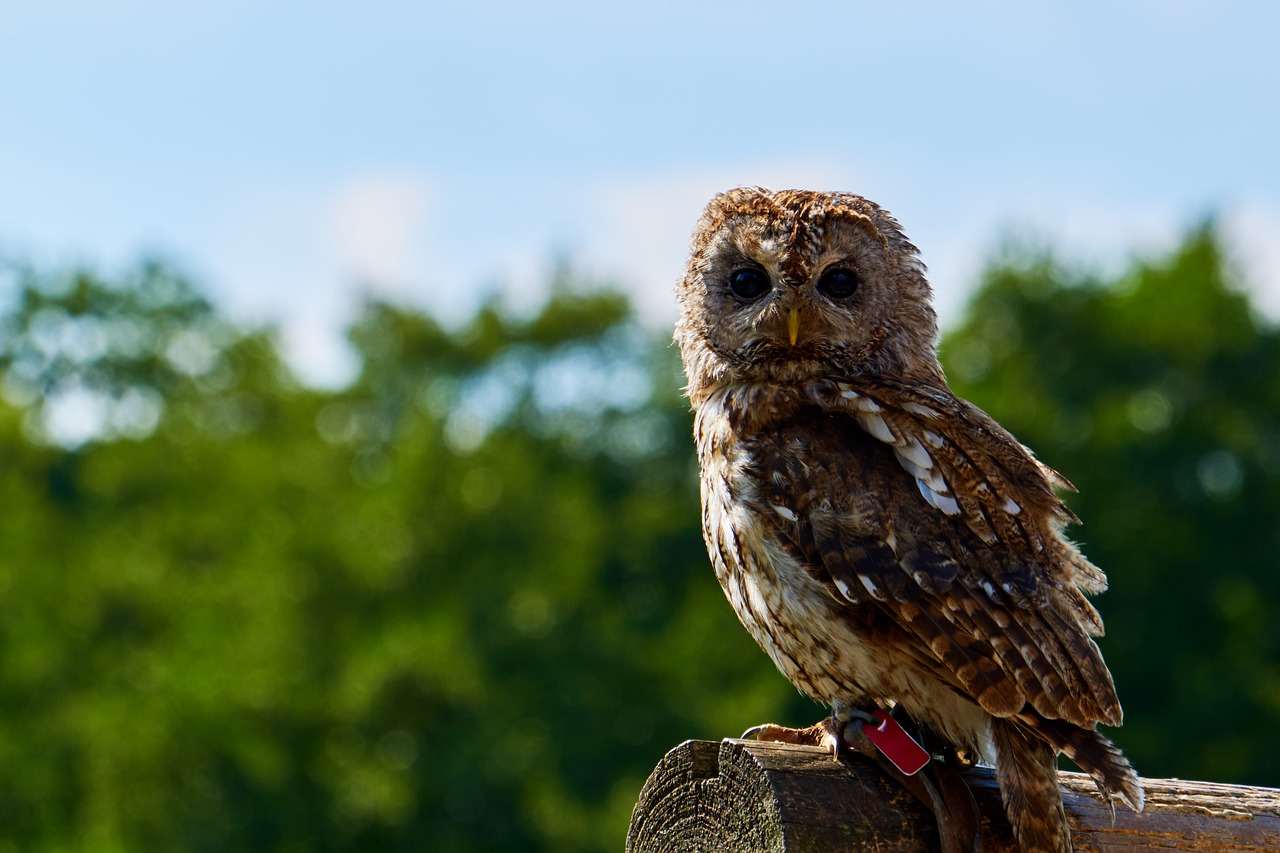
(792, 285)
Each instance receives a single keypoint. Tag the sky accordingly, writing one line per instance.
(295, 157)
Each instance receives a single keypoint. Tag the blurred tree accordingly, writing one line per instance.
(463, 604)
(1158, 395)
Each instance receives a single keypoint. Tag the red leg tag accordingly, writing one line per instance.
(895, 744)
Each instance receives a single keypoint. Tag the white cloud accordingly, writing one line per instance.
(379, 224)
(1252, 232)
(300, 256)
(316, 349)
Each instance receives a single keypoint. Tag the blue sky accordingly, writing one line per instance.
(295, 155)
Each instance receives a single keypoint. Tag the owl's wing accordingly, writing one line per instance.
(977, 572)
(967, 466)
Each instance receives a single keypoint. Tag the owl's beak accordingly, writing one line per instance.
(793, 324)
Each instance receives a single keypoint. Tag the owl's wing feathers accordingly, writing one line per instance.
(1003, 655)
(996, 601)
(967, 465)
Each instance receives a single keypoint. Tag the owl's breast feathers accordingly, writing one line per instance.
(927, 524)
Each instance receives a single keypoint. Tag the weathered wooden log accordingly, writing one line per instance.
(740, 795)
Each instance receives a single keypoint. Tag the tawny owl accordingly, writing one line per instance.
(885, 542)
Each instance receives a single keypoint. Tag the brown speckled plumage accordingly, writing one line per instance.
(883, 540)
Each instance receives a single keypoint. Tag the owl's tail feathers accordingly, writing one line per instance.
(1095, 755)
(1026, 768)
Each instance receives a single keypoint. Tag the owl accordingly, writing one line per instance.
(886, 543)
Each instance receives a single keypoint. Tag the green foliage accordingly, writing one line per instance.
(460, 605)
(464, 605)
(1159, 396)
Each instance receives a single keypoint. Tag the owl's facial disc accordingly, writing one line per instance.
(785, 286)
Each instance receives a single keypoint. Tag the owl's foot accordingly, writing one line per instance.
(832, 734)
(827, 734)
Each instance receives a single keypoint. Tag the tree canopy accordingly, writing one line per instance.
(463, 604)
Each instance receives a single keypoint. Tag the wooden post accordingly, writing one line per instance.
(740, 795)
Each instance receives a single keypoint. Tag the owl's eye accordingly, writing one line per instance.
(838, 283)
(749, 283)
